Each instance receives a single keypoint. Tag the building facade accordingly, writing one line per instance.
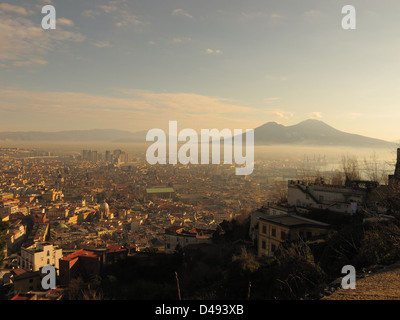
(342, 199)
(38, 255)
(176, 236)
(80, 264)
(276, 229)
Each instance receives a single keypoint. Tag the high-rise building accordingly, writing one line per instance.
(108, 156)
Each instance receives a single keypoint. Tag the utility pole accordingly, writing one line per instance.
(177, 284)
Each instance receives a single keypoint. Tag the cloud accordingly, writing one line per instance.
(272, 99)
(23, 39)
(188, 102)
(132, 110)
(181, 40)
(119, 11)
(275, 16)
(312, 15)
(12, 8)
(90, 13)
(101, 44)
(29, 62)
(283, 114)
(65, 22)
(314, 115)
(126, 19)
(108, 8)
(212, 51)
(182, 13)
(22, 63)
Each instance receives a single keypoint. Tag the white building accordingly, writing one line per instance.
(176, 236)
(341, 199)
(38, 255)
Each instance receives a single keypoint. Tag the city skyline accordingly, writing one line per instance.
(134, 66)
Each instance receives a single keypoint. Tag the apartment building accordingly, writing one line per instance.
(276, 229)
(342, 199)
(40, 254)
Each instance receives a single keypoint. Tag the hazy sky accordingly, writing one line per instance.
(135, 64)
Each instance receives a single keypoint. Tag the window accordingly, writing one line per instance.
(273, 247)
(48, 261)
(283, 235)
(264, 229)
(264, 244)
(273, 232)
(48, 252)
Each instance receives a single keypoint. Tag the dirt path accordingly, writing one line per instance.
(383, 284)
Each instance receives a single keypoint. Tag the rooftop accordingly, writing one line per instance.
(290, 220)
(79, 253)
(159, 190)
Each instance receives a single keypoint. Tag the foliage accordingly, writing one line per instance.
(339, 249)
(360, 245)
(234, 230)
(3, 231)
(297, 273)
(380, 245)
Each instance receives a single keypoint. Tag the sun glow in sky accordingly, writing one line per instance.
(135, 65)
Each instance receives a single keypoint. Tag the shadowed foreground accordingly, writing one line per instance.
(380, 285)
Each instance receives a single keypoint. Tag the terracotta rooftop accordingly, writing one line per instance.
(79, 253)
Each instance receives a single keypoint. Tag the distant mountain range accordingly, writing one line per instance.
(312, 132)
(307, 133)
(94, 135)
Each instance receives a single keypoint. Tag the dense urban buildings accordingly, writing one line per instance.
(85, 211)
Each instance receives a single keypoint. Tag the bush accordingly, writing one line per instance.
(298, 275)
(380, 245)
(339, 249)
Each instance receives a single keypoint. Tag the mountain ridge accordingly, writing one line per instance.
(312, 132)
(309, 132)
